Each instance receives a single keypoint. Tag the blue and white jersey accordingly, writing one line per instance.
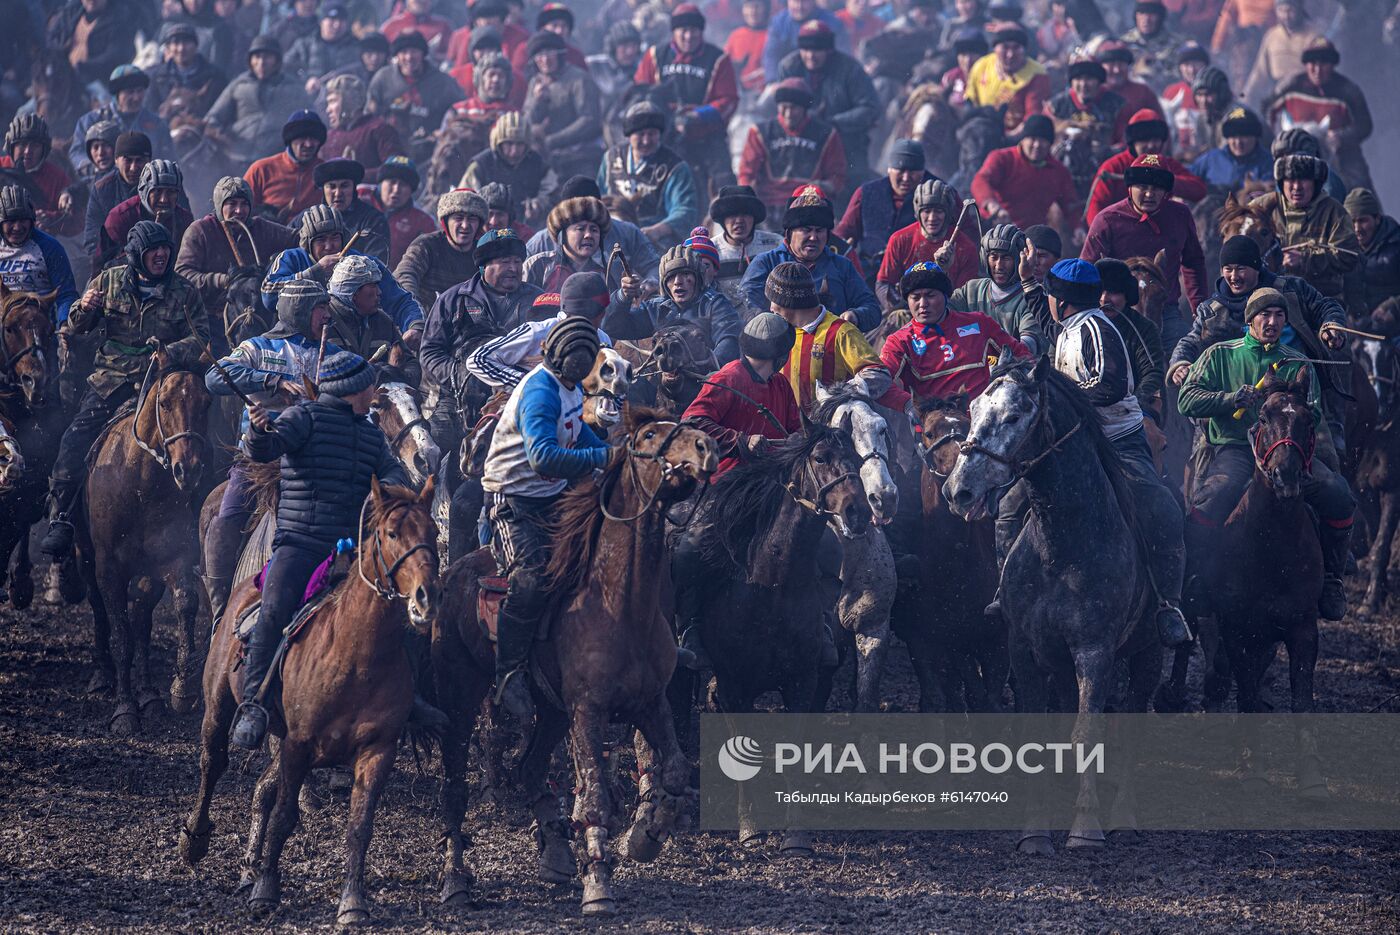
(502, 362)
(296, 263)
(541, 440)
(259, 362)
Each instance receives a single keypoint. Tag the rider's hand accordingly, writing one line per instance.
(153, 343)
(1333, 338)
(631, 287)
(755, 443)
(65, 202)
(1178, 374)
(91, 300)
(1292, 259)
(944, 255)
(327, 263)
(292, 388)
(1025, 265)
(851, 317)
(1246, 397)
(259, 417)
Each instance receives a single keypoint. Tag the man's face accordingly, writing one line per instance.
(319, 316)
(497, 218)
(1189, 69)
(1117, 73)
(627, 54)
(1319, 73)
(333, 28)
(688, 39)
(645, 142)
(463, 228)
(814, 59)
(1002, 267)
(28, 153)
(966, 61)
(129, 167)
(395, 193)
(410, 62)
(494, 84)
(305, 148)
(1147, 23)
(163, 199)
(512, 151)
(965, 8)
(503, 273)
(1086, 89)
(932, 219)
(903, 181)
(1291, 15)
(926, 306)
(129, 100)
(1113, 301)
(236, 209)
(1034, 148)
(560, 27)
(373, 60)
(156, 260)
(755, 13)
(1241, 146)
(325, 245)
(16, 232)
(739, 227)
(181, 50)
(94, 6)
(1150, 145)
(1011, 56)
(549, 61)
(1299, 192)
(366, 299)
(1147, 198)
(791, 115)
(582, 239)
(807, 243)
(1267, 326)
(801, 10)
(682, 286)
(1044, 259)
(100, 153)
(1208, 100)
(340, 193)
(1365, 225)
(306, 9)
(264, 65)
(1240, 280)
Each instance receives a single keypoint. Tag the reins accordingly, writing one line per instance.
(383, 571)
(162, 454)
(668, 468)
(9, 361)
(1019, 468)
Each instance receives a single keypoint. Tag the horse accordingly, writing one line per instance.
(345, 693)
(670, 373)
(1068, 621)
(244, 314)
(867, 565)
(1250, 220)
(11, 458)
(136, 535)
(959, 655)
(60, 96)
(926, 116)
(609, 652)
(29, 398)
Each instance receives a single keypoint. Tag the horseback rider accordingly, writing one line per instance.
(1090, 350)
(270, 369)
(503, 362)
(357, 322)
(1219, 384)
(145, 306)
(1000, 295)
(684, 297)
(31, 260)
(207, 255)
(329, 452)
(1120, 295)
(932, 236)
(541, 442)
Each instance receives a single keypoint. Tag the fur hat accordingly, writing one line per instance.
(1086, 68)
(925, 275)
(335, 170)
(461, 201)
(344, 373)
(1149, 170)
(767, 337)
(303, 123)
(1298, 166)
(497, 198)
(643, 115)
(351, 91)
(571, 211)
(508, 128)
(1076, 282)
(1321, 50)
(737, 199)
(790, 285)
(809, 208)
(1146, 124)
(495, 244)
(1116, 277)
(1261, 299)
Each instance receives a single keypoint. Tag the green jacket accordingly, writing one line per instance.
(1222, 369)
(165, 314)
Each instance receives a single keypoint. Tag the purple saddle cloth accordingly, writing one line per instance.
(315, 585)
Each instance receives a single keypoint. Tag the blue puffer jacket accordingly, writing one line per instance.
(328, 456)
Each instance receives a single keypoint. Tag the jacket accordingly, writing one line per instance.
(111, 37)
(661, 190)
(285, 186)
(872, 216)
(525, 179)
(775, 161)
(363, 334)
(730, 419)
(711, 310)
(734, 262)
(504, 361)
(369, 141)
(1219, 169)
(1121, 231)
(782, 38)
(840, 288)
(431, 265)
(250, 113)
(112, 238)
(258, 363)
(328, 457)
(565, 113)
(1324, 231)
(204, 78)
(205, 256)
(40, 265)
(1380, 264)
(948, 358)
(368, 221)
(1011, 310)
(908, 246)
(846, 99)
(108, 191)
(1106, 189)
(1342, 104)
(541, 440)
(419, 105)
(1025, 190)
(1222, 370)
(638, 247)
(313, 57)
(143, 121)
(832, 350)
(464, 317)
(295, 263)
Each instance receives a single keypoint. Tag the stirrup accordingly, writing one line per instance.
(58, 541)
(513, 694)
(1171, 625)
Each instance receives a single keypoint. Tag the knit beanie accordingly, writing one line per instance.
(1240, 250)
(767, 337)
(303, 123)
(579, 186)
(907, 155)
(401, 168)
(1117, 277)
(1362, 201)
(343, 374)
(1086, 68)
(133, 143)
(584, 294)
(1261, 299)
(925, 275)
(687, 14)
(1076, 282)
(790, 285)
(544, 41)
(409, 39)
(701, 245)
(498, 243)
(1045, 237)
(1038, 126)
(793, 91)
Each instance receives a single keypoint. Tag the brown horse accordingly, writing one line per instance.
(1250, 220)
(957, 652)
(670, 367)
(136, 536)
(346, 689)
(609, 653)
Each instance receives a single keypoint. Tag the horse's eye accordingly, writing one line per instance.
(819, 459)
(605, 371)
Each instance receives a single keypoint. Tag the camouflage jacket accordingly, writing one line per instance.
(166, 314)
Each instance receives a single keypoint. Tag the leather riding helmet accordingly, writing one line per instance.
(144, 236)
(318, 221)
(158, 173)
(767, 337)
(15, 204)
(936, 191)
(1006, 238)
(295, 303)
(568, 336)
(28, 127)
(678, 259)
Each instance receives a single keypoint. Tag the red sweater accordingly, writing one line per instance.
(730, 419)
(745, 49)
(909, 246)
(1025, 190)
(948, 358)
(285, 184)
(1108, 190)
(52, 181)
(513, 36)
(1121, 231)
(830, 172)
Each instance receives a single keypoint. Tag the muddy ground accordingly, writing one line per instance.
(88, 827)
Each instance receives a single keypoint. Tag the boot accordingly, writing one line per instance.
(249, 726)
(514, 638)
(513, 694)
(1007, 529)
(1171, 626)
(1336, 543)
(689, 653)
(250, 722)
(58, 541)
(217, 590)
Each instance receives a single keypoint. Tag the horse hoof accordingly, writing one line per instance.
(1124, 836)
(125, 722)
(456, 889)
(1085, 840)
(101, 682)
(350, 917)
(182, 700)
(751, 839)
(22, 593)
(194, 844)
(640, 846)
(598, 899)
(1036, 846)
(796, 844)
(267, 892)
(556, 863)
(246, 879)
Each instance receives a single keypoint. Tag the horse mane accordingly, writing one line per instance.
(1067, 396)
(263, 478)
(838, 395)
(926, 404)
(578, 521)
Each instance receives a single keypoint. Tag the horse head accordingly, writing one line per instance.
(680, 348)
(670, 457)
(842, 407)
(1284, 439)
(398, 551)
(244, 315)
(395, 409)
(1248, 219)
(605, 389)
(11, 460)
(943, 427)
(1003, 419)
(26, 334)
(172, 417)
(1152, 285)
(827, 481)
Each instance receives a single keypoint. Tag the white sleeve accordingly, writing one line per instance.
(501, 362)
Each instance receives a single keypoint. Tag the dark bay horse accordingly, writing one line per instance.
(136, 536)
(669, 373)
(346, 690)
(609, 655)
(1069, 617)
(959, 655)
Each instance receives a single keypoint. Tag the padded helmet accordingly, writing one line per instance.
(1004, 237)
(158, 173)
(934, 191)
(28, 127)
(296, 300)
(15, 204)
(318, 221)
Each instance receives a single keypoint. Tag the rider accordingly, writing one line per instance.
(158, 195)
(1000, 294)
(1223, 381)
(205, 256)
(31, 260)
(357, 323)
(540, 443)
(144, 305)
(503, 362)
(684, 297)
(28, 144)
(436, 262)
(1314, 231)
(270, 369)
(1119, 298)
(931, 237)
(337, 180)
(329, 452)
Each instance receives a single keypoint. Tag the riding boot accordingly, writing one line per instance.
(1336, 543)
(223, 542)
(250, 722)
(1167, 562)
(423, 717)
(687, 578)
(58, 540)
(514, 637)
(1008, 527)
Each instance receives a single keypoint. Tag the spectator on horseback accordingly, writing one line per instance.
(393, 196)
(1086, 107)
(1280, 55)
(338, 180)
(563, 109)
(684, 297)
(807, 224)
(322, 242)
(206, 257)
(931, 237)
(746, 43)
(1321, 96)
(1313, 229)
(1241, 160)
(1009, 79)
(557, 19)
(1048, 247)
(651, 179)
(28, 144)
(1018, 184)
(882, 206)
(613, 69)
(1118, 300)
(215, 32)
(95, 35)
(31, 260)
(129, 157)
(503, 362)
(329, 453)
(1000, 295)
(332, 46)
(145, 308)
(247, 118)
(184, 68)
(128, 86)
(352, 133)
(541, 442)
(1147, 221)
(284, 185)
(792, 149)
(1179, 100)
(942, 352)
(435, 262)
(1219, 384)
(1379, 238)
(411, 95)
(844, 94)
(1147, 133)
(511, 161)
(735, 214)
(486, 14)
(1090, 349)
(158, 196)
(272, 369)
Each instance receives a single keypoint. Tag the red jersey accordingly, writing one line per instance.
(908, 246)
(948, 358)
(745, 49)
(730, 419)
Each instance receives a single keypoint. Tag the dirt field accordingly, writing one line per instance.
(88, 827)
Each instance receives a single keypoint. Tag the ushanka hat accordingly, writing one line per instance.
(571, 211)
(809, 207)
(1116, 277)
(1148, 169)
(1299, 166)
(1076, 282)
(495, 244)
(737, 199)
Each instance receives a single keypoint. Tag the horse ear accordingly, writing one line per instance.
(4, 292)
(1302, 383)
(1160, 259)
(47, 300)
(426, 494)
(822, 392)
(1230, 200)
(961, 400)
(1043, 368)
(1003, 357)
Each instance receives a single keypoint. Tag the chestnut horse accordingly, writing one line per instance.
(1250, 220)
(346, 690)
(136, 537)
(610, 653)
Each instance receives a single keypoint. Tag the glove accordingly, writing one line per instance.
(1246, 397)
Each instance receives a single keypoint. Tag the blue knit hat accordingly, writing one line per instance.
(498, 243)
(1076, 282)
(344, 373)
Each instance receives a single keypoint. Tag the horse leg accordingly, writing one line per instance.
(1144, 672)
(294, 762)
(189, 662)
(460, 699)
(593, 809)
(22, 575)
(264, 795)
(372, 768)
(1301, 640)
(659, 756)
(1094, 670)
(126, 718)
(995, 662)
(1171, 697)
(1215, 661)
(148, 593)
(213, 761)
(1032, 697)
(555, 862)
(103, 667)
(1380, 554)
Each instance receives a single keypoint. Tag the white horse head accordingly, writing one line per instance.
(854, 412)
(407, 431)
(11, 461)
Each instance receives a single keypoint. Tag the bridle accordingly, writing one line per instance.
(9, 361)
(1020, 468)
(383, 571)
(816, 505)
(1261, 461)
(163, 441)
(668, 470)
(956, 434)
